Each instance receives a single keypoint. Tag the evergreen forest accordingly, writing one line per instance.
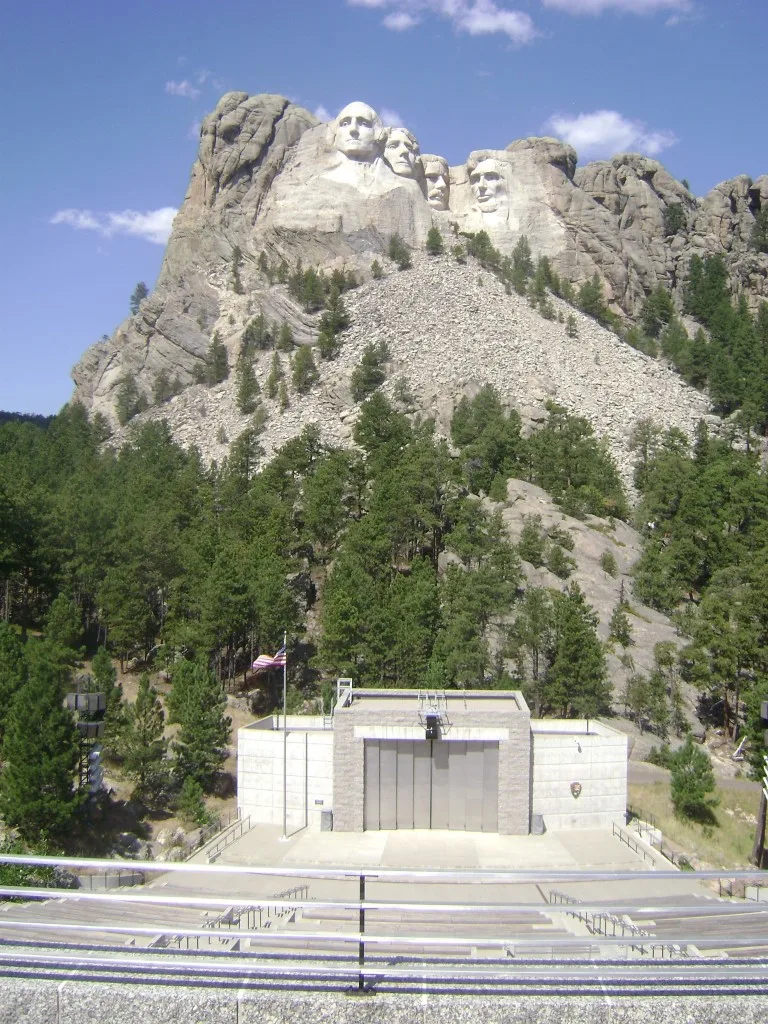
(388, 563)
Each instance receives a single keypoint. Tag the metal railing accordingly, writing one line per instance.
(619, 832)
(454, 930)
(754, 889)
(598, 923)
(213, 848)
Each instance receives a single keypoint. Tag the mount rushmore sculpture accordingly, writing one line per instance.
(271, 178)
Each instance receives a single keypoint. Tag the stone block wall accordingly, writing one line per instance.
(309, 776)
(374, 719)
(564, 753)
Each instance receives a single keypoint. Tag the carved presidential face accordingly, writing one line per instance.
(358, 132)
(487, 185)
(437, 182)
(401, 152)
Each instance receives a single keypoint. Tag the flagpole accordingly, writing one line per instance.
(285, 737)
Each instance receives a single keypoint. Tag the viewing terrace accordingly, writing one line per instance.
(560, 924)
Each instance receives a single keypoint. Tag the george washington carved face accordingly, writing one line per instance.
(359, 132)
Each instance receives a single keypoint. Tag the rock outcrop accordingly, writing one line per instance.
(449, 331)
(271, 179)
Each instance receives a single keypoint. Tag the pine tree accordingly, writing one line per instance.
(692, 782)
(285, 341)
(304, 372)
(104, 680)
(40, 755)
(399, 252)
(13, 670)
(217, 363)
(658, 310)
(191, 804)
(532, 542)
(759, 237)
(129, 401)
(369, 374)
(257, 335)
(619, 628)
(312, 293)
(163, 388)
(571, 327)
(143, 746)
(376, 271)
(64, 627)
(335, 318)
(197, 704)
(282, 396)
(139, 293)
(576, 680)
(674, 219)
(246, 386)
(275, 376)
(237, 262)
(435, 244)
(522, 265)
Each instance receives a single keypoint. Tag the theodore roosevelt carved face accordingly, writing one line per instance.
(359, 132)
(437, 183)
(487, 184)
(401, 151)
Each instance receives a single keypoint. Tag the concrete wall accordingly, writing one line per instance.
(381, 719)
(309, 775)
(563, 753)
(40, 1001)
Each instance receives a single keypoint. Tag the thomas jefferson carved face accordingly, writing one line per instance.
(437, 182)
(401, 151)
(358, 132)
(487, 185)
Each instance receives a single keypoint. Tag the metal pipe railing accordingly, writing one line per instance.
(484, 931)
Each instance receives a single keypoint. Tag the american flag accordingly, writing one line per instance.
(267, 661)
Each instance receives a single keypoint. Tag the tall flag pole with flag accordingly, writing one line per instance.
(265, 661)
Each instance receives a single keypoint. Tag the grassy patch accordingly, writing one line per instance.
(633, 611)
(727, 844)
(605, 528)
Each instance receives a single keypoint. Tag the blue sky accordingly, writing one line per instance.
(102, 102)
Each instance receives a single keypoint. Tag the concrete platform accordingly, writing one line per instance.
(432, 849)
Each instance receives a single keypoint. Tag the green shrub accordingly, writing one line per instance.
(660, 756)
(608, 563)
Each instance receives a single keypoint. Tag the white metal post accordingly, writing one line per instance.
(285, 737)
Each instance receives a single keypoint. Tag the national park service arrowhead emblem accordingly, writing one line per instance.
(576, 789)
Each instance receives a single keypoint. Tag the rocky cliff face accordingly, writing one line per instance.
(450, 329)
(270, 178)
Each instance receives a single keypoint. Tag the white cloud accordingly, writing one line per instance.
(400, 21)
(622, 6)
(321, 113)
(485, 18)
(153, 226)
(185, 89)
(473, 17)
(605, 132)
(83, 220)
(391, 118)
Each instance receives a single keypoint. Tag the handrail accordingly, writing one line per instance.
(625, 838)
(376, 874)
(493, 926)
(598, 919)
(227, 836)
(283, 901)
